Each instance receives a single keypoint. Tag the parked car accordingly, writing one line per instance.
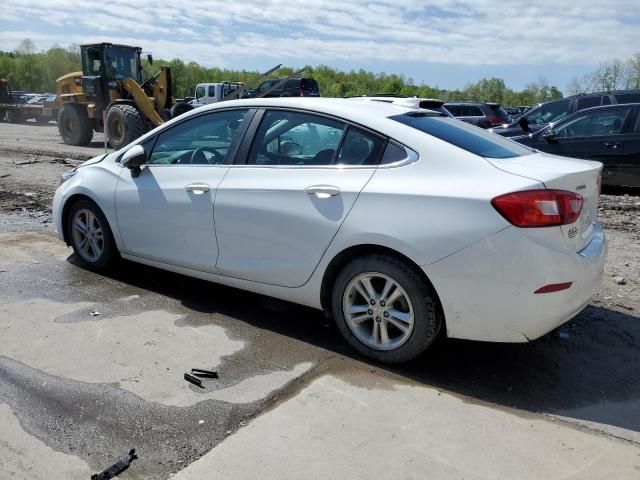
(293, 87)
(402, 223)
(413, 102)
(610, 135)
(481, 114)
(554, 111)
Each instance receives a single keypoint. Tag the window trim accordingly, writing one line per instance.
(250, 135)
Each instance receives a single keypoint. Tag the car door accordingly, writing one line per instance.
(165, 213)
(625, 172)
(592, 135)
(278, 209)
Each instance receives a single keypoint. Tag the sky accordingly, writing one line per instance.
(444, 43)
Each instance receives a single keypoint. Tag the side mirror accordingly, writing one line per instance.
(550, 136)
(150, 59)
(133, 159)
(524, 123)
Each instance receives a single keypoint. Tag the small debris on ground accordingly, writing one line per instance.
(94, 313)
(193, 379)
(619, 280)
(117, 468)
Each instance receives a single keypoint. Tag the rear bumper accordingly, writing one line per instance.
(486, 290)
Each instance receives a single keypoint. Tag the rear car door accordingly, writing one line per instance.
(625, 172)
(281, 204)
(165, 213)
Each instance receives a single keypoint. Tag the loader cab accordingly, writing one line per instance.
(104, 66)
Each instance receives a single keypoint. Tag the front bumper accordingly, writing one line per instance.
(486, 290)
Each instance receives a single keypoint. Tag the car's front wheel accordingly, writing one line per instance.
(90, 236)
(385, 309)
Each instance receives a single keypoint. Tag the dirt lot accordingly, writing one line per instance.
(571, 397)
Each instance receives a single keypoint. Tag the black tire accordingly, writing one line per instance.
(124, 125)
(74, 125)
(109, 253)
(180, 108)
(427, 319)
(15, 116)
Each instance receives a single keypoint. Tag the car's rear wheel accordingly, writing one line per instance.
(90, 236)
(385, 309)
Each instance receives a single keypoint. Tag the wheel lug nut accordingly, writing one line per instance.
(382, 304)
(370, 312)
(378, 319)
(372, 302)
(386, 314)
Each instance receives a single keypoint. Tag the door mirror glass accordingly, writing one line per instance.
(524, 123)
(134, 158)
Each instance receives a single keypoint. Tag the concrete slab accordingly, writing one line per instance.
(24, 456)
(145, 353)
(364, 426)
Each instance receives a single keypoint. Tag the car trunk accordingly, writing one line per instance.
(561, 173)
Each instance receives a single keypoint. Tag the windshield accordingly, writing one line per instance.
(121, 62)
(548, 112)
(463, 135)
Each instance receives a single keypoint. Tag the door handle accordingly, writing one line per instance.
(323, 191)
(197, 188)
(611, 145)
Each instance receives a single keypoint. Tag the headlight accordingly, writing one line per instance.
(67, 175)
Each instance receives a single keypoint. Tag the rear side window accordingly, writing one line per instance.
(464, 110)
(588, 102)
(360, 148)
(628, 98)
(465, 136)
(309, 84)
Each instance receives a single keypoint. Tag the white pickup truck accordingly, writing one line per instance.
(207, 93)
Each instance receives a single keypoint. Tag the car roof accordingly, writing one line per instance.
(493, 104)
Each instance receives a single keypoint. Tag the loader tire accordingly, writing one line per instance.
(124, 124)
(180, 108)
(74, 126)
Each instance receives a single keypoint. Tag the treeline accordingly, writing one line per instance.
(36, 71)
(614, 75)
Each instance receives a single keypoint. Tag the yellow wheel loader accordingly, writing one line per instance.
(110, 95)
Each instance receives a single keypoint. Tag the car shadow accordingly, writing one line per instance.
(586, 370)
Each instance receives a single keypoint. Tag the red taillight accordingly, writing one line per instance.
(539, 208)
(493, 121)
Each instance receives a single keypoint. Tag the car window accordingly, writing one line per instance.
(472, 111)
(294, 138)
(591, 124)
(200, 91)
(606, 100)
(360, 148)
(628, 98)
(549, 112)
(588, 102)
(464, 135)
(202, 140)
(264, 86)
(212, 90)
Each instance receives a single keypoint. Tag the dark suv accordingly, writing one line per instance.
(482, 114)
(293, 87)
(545, 113)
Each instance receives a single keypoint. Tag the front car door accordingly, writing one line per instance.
(592, 135)
(278, 209)
(165, 214)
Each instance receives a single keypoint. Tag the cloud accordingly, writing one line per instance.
(460, 32)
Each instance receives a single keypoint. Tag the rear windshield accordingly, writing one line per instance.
(499, 112)
(463, 135)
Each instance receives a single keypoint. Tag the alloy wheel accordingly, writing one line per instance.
(88, 236)
(378, 311)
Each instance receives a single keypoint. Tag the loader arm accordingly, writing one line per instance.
(145, 104)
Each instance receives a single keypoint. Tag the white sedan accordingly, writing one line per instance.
(400, 223)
